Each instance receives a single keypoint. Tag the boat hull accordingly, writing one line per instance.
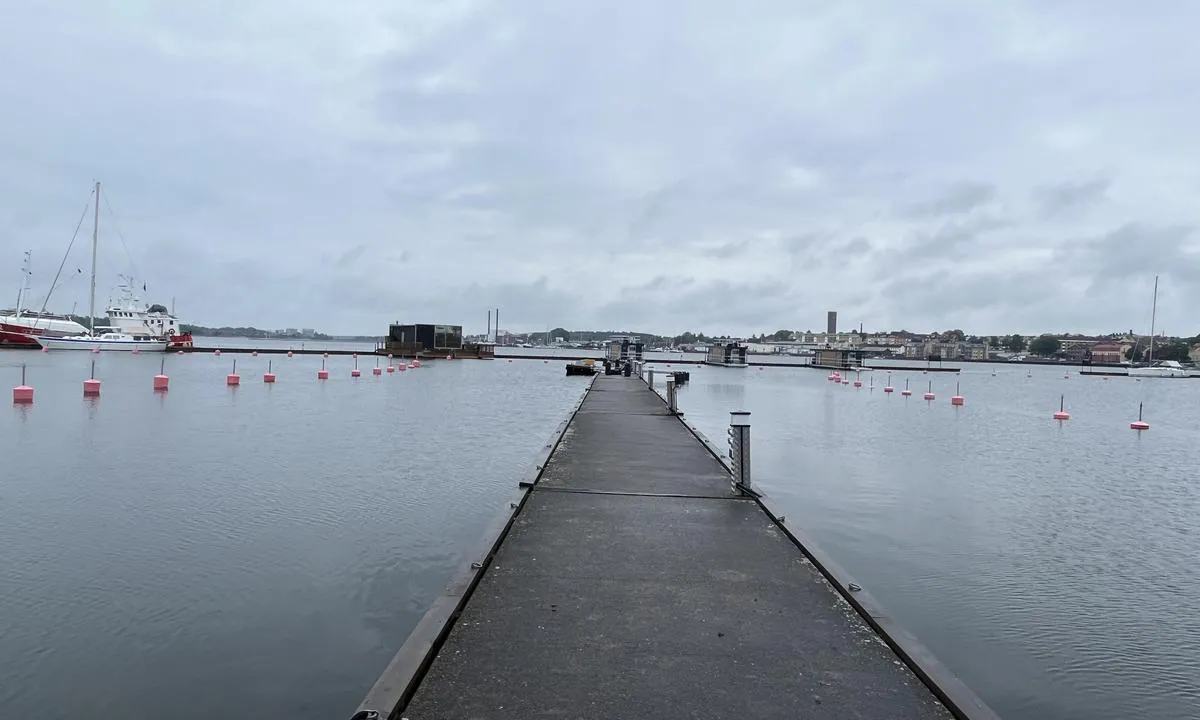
(102, 344)
(33, 326)
(11, 338)
(1157, 372)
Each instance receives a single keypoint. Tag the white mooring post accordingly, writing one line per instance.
(739, 450)
(672, 403)
(650, 378)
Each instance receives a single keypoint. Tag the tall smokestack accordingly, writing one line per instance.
(497, 326)
(831, 322)
(488, 337)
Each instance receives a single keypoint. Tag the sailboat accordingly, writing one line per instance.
(1165, 368)
(21, 326)
(108, 338)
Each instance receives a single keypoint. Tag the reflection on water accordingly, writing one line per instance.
(260, 550)
(1052, 566)
(726, 392)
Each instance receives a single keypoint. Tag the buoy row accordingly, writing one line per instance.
(23, 394)
(958, 400)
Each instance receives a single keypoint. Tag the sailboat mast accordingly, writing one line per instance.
(24, 289)
(95, 237)
(1153, 317)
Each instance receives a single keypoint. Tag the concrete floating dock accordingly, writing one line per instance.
(629, 579)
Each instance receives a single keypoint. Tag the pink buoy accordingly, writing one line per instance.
(355, 373)
(858, 383)
(178, 352)
(22, 394)
(1139, 424)
(376, 371)
(322, 374)
(253, 353)
(161, 381)
(91, 388)
(45, 349)
(217, 353)
(233, 379)
(135, 351)
(289, 353)
(95, 350)
(268, 376)
(389, 356)
(401, 367)
(1062, 413)
(325, 355)
(957, 399)
(929, 393)
(888, 389)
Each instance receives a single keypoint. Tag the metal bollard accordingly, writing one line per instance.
(739, 450)
(672, 401)
(650, 378)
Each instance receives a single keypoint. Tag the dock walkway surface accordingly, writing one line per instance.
(633, 582)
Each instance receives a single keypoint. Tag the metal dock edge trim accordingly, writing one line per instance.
(399, 681)
(954, 694)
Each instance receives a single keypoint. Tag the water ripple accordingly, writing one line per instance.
(1051, 566)
(259, 541)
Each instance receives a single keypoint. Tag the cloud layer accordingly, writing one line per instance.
(1020, 166)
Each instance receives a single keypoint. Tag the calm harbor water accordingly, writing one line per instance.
(265, 550)
(250, 552)
(1051, 566)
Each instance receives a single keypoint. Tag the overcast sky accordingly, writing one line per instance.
(619, 164)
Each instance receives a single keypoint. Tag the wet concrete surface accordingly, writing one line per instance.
(634, 584)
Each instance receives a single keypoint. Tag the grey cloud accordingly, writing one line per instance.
(1055, 199)
(350, 256)
(952, 239)
(962, 197)
(856, 245)
(539, 156)
(727, 250)
(1134, 250)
